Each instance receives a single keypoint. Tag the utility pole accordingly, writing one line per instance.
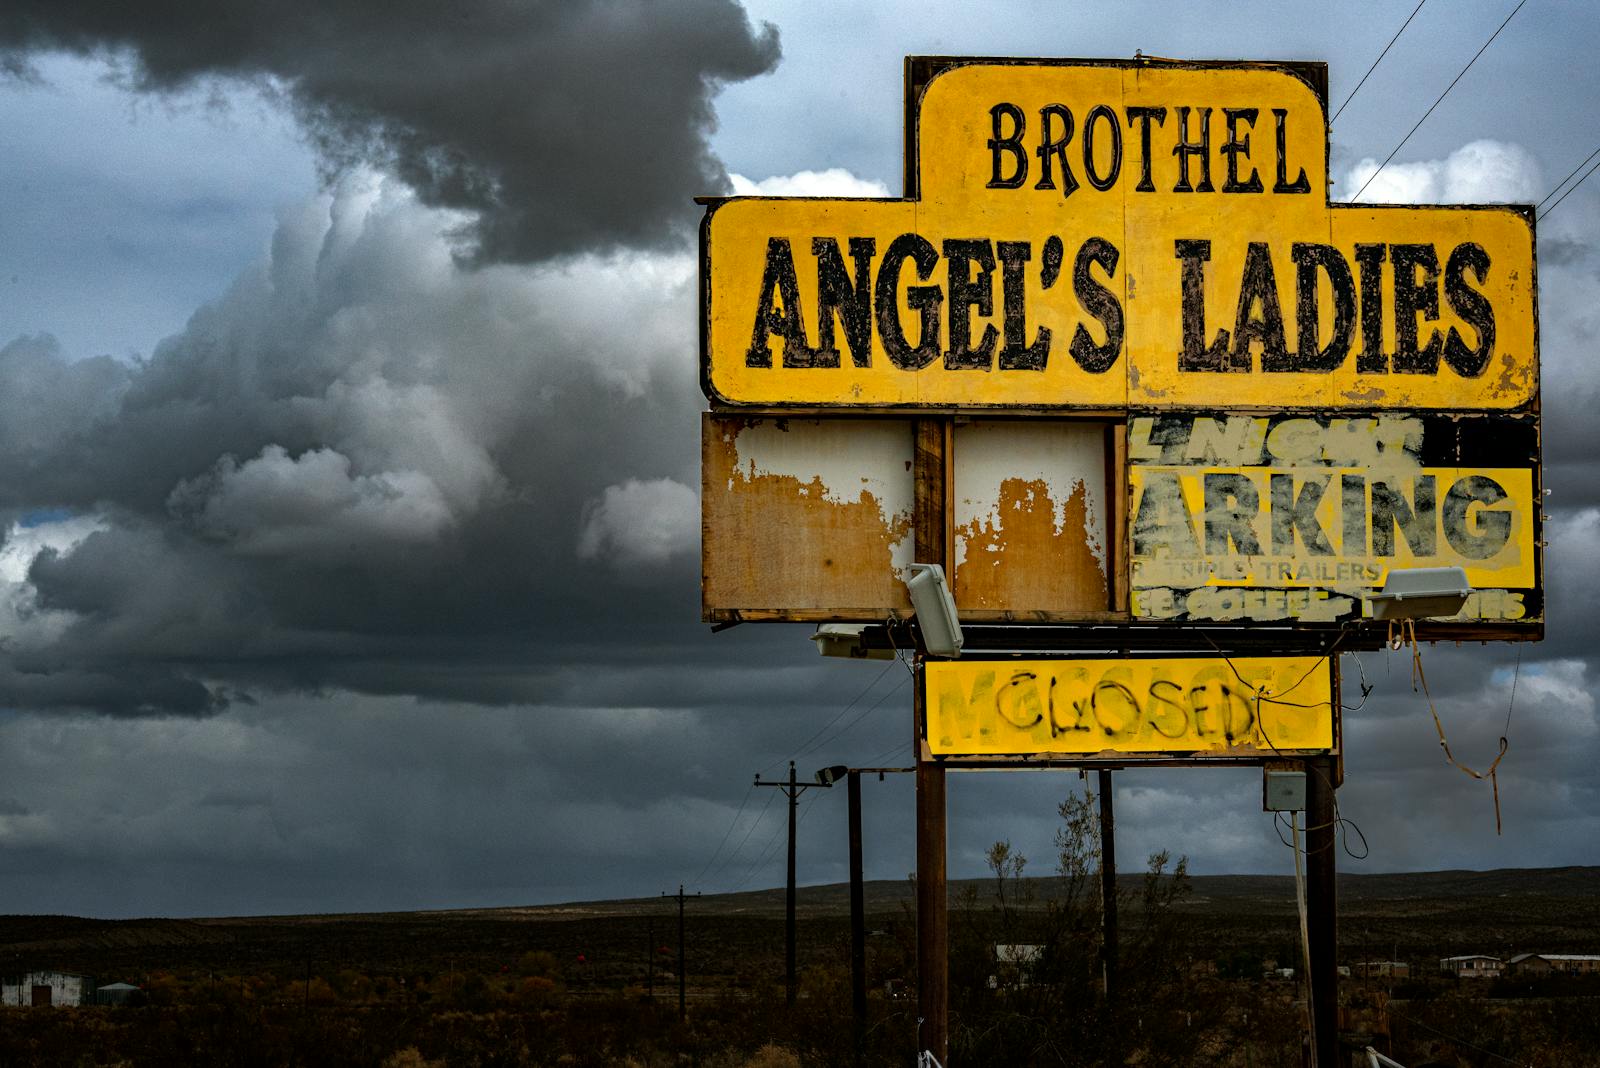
(858, 921)
(792, 789)
(683, 1012)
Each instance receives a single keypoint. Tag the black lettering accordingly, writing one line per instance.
(1011, 144)
(1018, 354)
(1186, 148)
(1474, 309)
(1131, 721)
(1143, 115)
(1234, 147)
(925, 300)
(1411, 297)
(1099, 302)
(1297, 512)
(1154, 715)
(1353, 513)
(1416, 521)
(1260, 286)
(1282, 185)
(1231, 505)
(1196, 354)
(1493, 529)
(966, 292)
(1090, 171)
(1307, 259)
(1371, 359)
(778, 313)
(1055, 148)
(850, 301)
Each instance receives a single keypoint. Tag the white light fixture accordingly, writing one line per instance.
(936, 610)
(1421, 593)
(845, 639)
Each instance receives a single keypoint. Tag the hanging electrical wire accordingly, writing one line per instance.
(1546, 212)
(1375, 62)
(1436, 103)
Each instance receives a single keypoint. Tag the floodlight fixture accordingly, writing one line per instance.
(1421, 593)
(847, 640)
(830, 775)
(935, 608)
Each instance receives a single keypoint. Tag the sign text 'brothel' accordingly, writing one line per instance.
(1113, 235)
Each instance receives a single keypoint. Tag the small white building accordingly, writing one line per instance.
(45, 989)
(1472, 966)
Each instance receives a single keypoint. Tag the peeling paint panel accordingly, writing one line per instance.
(806, 515)
(1030, 516)
(1258, 707)
(1290, 519)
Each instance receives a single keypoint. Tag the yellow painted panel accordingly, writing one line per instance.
(1203, 706)
(1089, 269)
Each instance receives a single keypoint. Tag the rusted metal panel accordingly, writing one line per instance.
(805, 518)
(1031, 518)
(1106, 234)
(1241, 709)
(1298, 520)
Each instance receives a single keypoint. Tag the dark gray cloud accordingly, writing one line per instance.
(562, 127)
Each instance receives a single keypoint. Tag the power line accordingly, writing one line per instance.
(1375, 62)
(1580, 181)
(725, 834)
(1568, 178)
(847, 727)
(842, 712)
(1436, 103)
(736, 849)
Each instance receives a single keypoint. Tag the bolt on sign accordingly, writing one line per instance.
(1237, 710)
(1105, 235)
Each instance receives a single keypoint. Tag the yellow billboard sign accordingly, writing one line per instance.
(1092, 708)
(1299, 518)
(1112, 235)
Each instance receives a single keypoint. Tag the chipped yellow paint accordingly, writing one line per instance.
(1197, 706)
(764, 325)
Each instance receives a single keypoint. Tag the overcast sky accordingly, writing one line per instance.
(348, 410)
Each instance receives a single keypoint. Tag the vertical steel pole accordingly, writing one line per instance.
(858, 919)
(1321, 911)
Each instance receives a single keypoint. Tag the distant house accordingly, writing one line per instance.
(114, 993)
(1012, 963)
(1562, 963)
(43, 989)
(1473, 966)
(1383, 969)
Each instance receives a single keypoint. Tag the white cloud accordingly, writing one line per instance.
(640, 522)
(21, 618)
(834, 182)
(1482, 172)
(277, 504)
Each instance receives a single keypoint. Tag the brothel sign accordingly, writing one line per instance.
(1110, 235)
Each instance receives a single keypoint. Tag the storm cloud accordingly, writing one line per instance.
(561, 127)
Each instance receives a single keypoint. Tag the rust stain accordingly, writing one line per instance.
(1368, 395)
(773, 541)
(1017, 559)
